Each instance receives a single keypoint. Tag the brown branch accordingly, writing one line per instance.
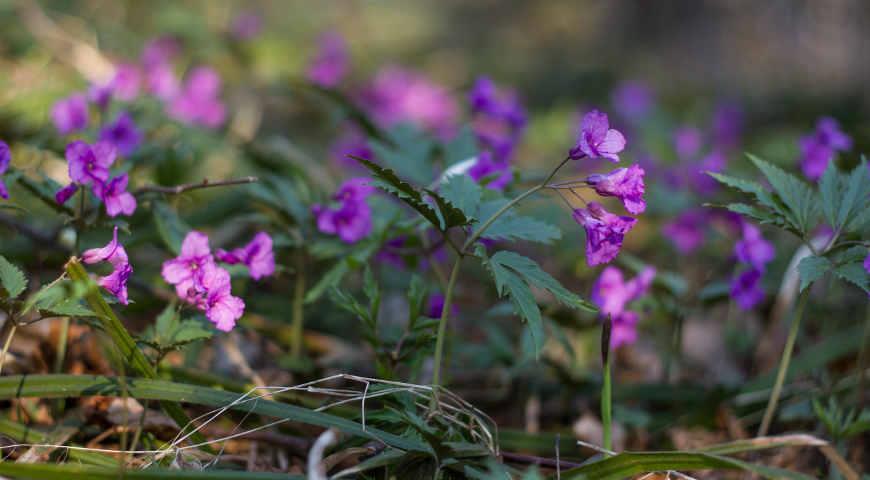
(186, 187)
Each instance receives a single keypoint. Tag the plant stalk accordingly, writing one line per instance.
(606, 387)
(784, 363)
(298, 310)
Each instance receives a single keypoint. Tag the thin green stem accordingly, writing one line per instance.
(298, 325)
(783, 364)
(8, 342)
(442, 325)
(606, 406)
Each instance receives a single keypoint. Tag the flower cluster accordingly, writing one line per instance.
(611, 293)
(331, 62)
(819, 147)
(89, 167)
(398, 95)
(113, 253)
(604, 230)
(5, 159)
(499, 120)
(200, 282)
(754, 253)
(351, 217)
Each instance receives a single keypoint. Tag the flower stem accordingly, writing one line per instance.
(783, 364)
(442, 325)
(298, 311)
(606, 406)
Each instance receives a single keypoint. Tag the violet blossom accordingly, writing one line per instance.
(64, 194)
(122, 133)
(597, 139)
(160, 51)
(623, 183)
(114, 253)
(351, 218)
(753, 249)
(746, 288)
(5, 159)
(257, 255)
(633, 100)
(70, 114)
(186, 270)
(867, 263)
(819, 147)
(499, 173)
(352, 142)
(161, 81)
(198, 101)
(611, 293)
(217, 300)
(498, 123)
(604, 232)
(116, 197)
(715, 161)
(126, 82)
(687, 142)
(89, 164)
(330, 64)
(686, 232)
(101, 95)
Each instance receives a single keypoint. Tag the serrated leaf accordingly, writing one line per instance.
(829, 194)
(811, 269)
(513, 227)
(450, 215)
(11, 278)
(461, 147)
(329, 280)
(855, 274)
(798, 198)
(408, 153)
(856, 197)
(463, 192)
(70, 308)
(534, 275)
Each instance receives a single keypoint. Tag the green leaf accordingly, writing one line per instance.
(409, 154)
(71, 307)
(811, 269)
(12, 279)
(829, 193)
(512, 227)
(170, 331)
(534, 275)
(856, 198)
(328, 280)
(855, 274)
(796, 195)
(463, 192)
(171, 228)
(461, 147)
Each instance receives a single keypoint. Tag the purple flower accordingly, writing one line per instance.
(330, 64)
(257, 255)
(500, 173)
(5, 159)
(160, 51)
(482, 95)
(101, 95)
(220, 306)
(198, 101)
(612, 294)
(70, 114)
(122, 133)
(498, 123)
(867, 263)
(351, 219)
(686, 231)
(715, 161)
(246, 25)
(161, 81)
(819, 147)
(114, 253)
(116, 197)
(398, 95)
(753, 248)
(633, 100)
(64, 194)
(89, 164)
(604, 232)
(727, 125)
(435, 304)
(623, 329)
(687, 142)
(351, 142)
(746, 288)
(126, 82)
(623, 183)
(186, 270)
(597, 139)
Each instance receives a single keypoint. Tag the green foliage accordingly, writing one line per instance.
(170, 332)
(813, 268)
(462, 192)
(408, 152)
(170, 226)
(11, 278)
(513, 227)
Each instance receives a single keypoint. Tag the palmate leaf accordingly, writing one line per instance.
(799, 199)
(813, 268)
(446, 216)
(855, 274)
(408, 152)
(511, 226)
(11, 278)
(844, 196)
(460, 148)
(533, 273)
(462, 192)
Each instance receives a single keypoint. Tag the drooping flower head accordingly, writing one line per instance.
(218, 302)
(351, 218)
(753, 249)
(398, 95)
(89, 164)
(126, 82)
(70, 114)
(5, 159)
(116, 197)
(331, 63)
(186, 270)
(198, 102)
(633, 100)
(113, 253)
(604, 232)
(746, 288)
(597, 139)
(623, 183)
(819, 147)
(122, 133)
(257, 255)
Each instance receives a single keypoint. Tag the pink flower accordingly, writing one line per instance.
(198, 103)
(70, 114)
(114, 253)
(612, 294)
(126, 82)
(186, 270)
(116, 197)
(623, 183)
(257, 255)
(220, 306)
(5, 159)
(604, 232)
(330, 64)
(89, 164)
(597, 139)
